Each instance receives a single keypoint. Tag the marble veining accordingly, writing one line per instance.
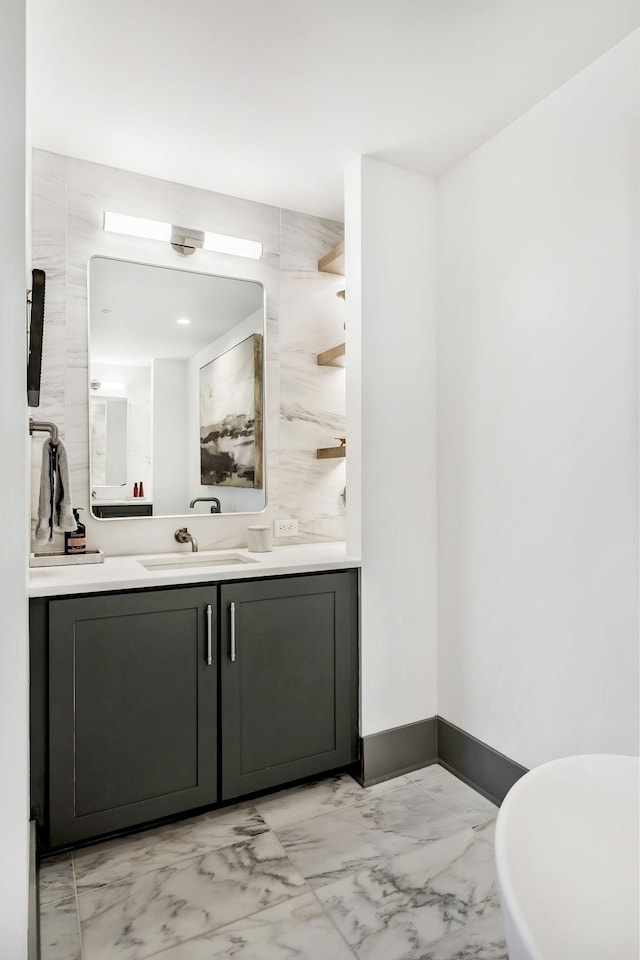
(60, 931)
(298, 929)
(138, 917)
(326, 848)
(395, 908)
(397, 875)
(482, 940)
(321, 796)
(55, 879)
(472, 808)
(140, 853)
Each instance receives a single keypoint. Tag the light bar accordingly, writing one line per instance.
(236, 246)
(137, 226)
(183, 241)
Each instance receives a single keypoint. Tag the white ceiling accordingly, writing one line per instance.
(134, 310)
(271, 99)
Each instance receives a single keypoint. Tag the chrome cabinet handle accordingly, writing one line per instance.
(232, 652)
(209, 640)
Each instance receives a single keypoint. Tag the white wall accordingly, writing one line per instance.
(170, 436)
(136, 388)
(391, 435)
(538, 425)
(14, 797)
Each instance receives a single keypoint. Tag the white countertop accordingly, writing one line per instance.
(127, 573)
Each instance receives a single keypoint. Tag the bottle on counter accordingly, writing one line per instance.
(141, 489)
(75, 541)
(135, 490)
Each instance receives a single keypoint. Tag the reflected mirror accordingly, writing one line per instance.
(176, 374)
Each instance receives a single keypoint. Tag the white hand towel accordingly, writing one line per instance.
(54, 502)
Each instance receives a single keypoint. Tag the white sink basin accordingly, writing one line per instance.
(191, 560)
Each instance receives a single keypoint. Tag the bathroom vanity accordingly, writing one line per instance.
(183, 689)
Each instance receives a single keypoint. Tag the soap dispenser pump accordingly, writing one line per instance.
(76, 540)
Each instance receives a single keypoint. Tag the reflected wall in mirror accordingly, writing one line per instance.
(168, 350)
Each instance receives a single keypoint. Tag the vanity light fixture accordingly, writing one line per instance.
(184, 240)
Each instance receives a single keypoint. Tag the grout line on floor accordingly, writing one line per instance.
(75, 890)
(348, 803)
(194, 856)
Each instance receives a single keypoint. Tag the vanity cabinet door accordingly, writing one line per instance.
(132, 709)
(288, 672)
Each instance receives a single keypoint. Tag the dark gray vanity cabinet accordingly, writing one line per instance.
(288, 679)
(150, 703)
(132, 709)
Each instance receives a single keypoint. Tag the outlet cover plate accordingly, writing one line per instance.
(285, 528)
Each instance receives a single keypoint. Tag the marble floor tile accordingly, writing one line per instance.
(471, 807)
(347, 840)
(55, 879)
(399, 907)
(143, 915)
(139, 853)
(434, 773)
(482, 940)
(298, 929)
(60, 931)
(487, 830)
(321, 796)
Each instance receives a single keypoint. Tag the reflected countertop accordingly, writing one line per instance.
(114, 501)
(128, 572)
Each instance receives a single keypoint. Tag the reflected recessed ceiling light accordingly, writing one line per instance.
(183, 321)
(184, 240)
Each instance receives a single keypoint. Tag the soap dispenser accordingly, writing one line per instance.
(76, 540)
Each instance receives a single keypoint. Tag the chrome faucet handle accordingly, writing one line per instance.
(183, 536)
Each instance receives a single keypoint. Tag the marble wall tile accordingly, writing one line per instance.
(311, 490)
(398, 907)
(305, 239)
(49, 229)
(304, 403)
(138, 917)
(312, 398)
(298, 929)
(60, 931)
(343, 842)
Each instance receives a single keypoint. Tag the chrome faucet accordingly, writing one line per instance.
(183, 536)
(214, 500)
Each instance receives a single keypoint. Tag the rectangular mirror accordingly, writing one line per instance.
(176, 376)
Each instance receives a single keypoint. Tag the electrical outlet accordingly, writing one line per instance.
(285, 528)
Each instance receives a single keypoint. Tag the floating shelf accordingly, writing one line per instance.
(333, 262)
(331, 453)
(334, 357)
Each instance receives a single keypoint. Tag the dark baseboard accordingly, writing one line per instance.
(483, 768)
(394, 752)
